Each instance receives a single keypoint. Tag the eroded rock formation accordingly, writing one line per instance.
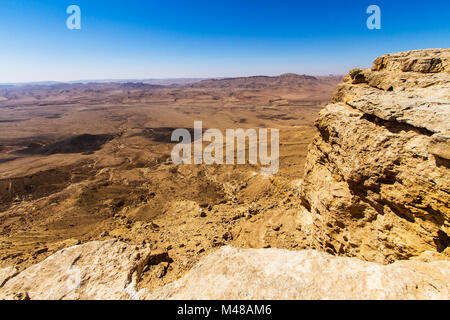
(94, 270)
(377, 175)
(232, 273)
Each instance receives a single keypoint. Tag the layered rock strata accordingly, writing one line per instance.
(377, 179)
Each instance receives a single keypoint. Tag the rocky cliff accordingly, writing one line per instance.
(376, 184)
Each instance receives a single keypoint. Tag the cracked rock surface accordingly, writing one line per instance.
(376, 182)
(94, 270)
(232, 273)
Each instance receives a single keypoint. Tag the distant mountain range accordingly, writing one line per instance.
(162, 82)
(290, 80)
(286, 79)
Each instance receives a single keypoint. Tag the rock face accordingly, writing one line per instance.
(377, 178)
(425, 61)
(231, 273)
(95, 270)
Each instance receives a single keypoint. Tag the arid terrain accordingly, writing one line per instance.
(81, 162)
(92, 206)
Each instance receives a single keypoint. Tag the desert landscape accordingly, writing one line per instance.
(92, 206)
(85, 162)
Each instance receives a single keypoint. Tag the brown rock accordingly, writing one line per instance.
(377, 175)
(161, 269)
(424, 61)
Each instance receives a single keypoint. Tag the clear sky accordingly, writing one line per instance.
(213, 38)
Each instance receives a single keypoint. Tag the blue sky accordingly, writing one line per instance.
(213, 38)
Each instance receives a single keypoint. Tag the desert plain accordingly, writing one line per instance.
(91, 161)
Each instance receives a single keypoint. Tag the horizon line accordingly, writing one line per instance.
(113, 80)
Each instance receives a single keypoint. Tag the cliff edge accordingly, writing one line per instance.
(377, 175)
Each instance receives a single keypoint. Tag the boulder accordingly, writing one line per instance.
(94, 270)
(232, 273)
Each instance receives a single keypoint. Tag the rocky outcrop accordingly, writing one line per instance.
(231, 273)
(95, 270)
(376, 184)
(424, 61)
(111, 269)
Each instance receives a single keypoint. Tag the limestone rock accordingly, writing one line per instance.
(6, 274)
(231, 273)
(377, 175)
(425, 61)
(95, 270)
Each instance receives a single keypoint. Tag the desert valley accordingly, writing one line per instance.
(93, 207)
